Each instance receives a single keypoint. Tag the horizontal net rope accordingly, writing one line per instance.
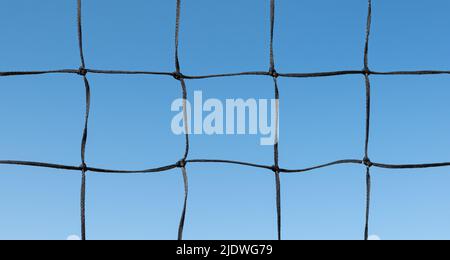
(212, 161)
(236, 74)
(183, 164)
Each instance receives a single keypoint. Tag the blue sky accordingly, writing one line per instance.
(322, 119)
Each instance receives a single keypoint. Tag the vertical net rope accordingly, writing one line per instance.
(182, 163)
(274, 74)
(82, 72)
(366, 160)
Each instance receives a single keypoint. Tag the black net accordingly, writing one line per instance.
(182, 164)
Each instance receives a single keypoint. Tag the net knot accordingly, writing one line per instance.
(367, 162)
(177, 75)
(366, 71)
(83, 167)
(276, 168)
(181, 163)
(274, 73)
(82, 71)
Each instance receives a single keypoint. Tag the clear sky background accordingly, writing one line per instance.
(322, 119)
